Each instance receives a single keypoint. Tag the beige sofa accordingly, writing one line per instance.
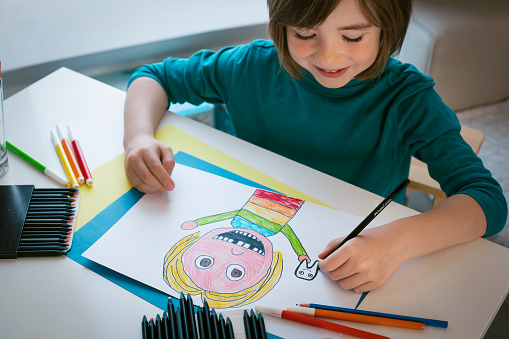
(464, 46)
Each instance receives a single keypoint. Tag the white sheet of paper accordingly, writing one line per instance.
(137, 244)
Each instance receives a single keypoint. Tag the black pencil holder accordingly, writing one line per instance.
(36, 221)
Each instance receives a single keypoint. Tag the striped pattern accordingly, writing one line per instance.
(269, 210)
(280, 199)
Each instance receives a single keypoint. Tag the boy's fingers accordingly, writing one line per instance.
(154, 174)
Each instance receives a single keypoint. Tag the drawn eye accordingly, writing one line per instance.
(204, 261)
(235, 272)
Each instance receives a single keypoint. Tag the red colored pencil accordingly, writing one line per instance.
(80, 157)
(318, 323)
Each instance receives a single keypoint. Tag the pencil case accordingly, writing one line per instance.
(36, 221)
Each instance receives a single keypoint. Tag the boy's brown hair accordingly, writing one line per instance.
(392, 16)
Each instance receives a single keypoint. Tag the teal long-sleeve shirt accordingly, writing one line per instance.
(363, 133)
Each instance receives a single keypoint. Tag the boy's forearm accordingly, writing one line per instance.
(458, 219)
(145, 104)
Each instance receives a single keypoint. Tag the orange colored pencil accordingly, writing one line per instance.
(66, 145)
(313, 312)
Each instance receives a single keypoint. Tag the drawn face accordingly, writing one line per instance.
(228, 260)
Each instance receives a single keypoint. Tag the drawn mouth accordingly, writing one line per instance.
(243, 239)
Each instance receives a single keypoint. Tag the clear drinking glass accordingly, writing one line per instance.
(4, 164)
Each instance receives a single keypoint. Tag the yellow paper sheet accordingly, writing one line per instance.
(110, 181)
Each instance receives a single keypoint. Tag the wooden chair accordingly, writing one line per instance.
(420, 179)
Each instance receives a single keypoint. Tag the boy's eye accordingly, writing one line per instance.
(353, 40)
(304, 37)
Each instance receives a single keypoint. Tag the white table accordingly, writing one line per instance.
(58, 298)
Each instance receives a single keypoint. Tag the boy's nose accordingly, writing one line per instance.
(329, 54)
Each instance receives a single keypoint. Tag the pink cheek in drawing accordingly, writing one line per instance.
(225, 267)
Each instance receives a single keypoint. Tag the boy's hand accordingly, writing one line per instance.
(364, 262)
(149, 164)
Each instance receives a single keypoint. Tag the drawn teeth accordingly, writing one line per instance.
(242, 239)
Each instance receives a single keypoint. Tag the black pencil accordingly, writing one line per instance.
(254, 323)
(47, 233)
(56, 191)
(164, 322)
(25, 241)
(45, 236)
(373, 214)
(144, 328)
(191, 322)
(201, 324)
(178, 323)
(213, 324)
(184, 316)
(52, 209)
(47, 224)
(32, 230)
(159, 327)
(46, 221)
(247, 326)
(55, 213)
(39, 253)
(41, 248)
(171, 319)
(261, 324)
(221, 326)
(53, 204)
(50, 195)
(151, 329)
(229, 329)
(206, 319)
(50, 200)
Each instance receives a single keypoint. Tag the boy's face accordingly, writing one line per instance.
(228, 260)
(345, 45)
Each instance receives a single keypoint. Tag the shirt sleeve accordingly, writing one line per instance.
(432, 133)
(206, 76)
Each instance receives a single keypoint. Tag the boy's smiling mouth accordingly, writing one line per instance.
(243, 239)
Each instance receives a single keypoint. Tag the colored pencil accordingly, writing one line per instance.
(144, 328)
(57, 190)
(66, 145)
(80, 157)
(159, 327)
(229, 329)
(151, 329)
(166, 330)
(261, 324)
(426, 322)
(38, 253)
(44, 169)
(221, 326)
(313, 312)
(41, 248)
(318, 323)
(373, 213)
(64, 161)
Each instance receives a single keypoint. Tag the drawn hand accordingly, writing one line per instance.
(304, 257)
(149, 164)
(189, 225)
(364, 262)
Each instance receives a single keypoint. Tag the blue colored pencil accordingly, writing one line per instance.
(427, 322)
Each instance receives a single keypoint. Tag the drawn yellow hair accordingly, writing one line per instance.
(175, 276)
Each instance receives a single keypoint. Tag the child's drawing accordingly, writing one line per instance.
(234, 267)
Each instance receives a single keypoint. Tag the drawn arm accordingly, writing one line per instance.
(188, 225)
(304, 270)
